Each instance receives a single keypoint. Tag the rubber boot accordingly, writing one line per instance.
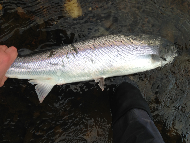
(131, 117)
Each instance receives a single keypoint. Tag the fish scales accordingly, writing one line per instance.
(99, 58)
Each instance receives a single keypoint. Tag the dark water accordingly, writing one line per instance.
(80, 112)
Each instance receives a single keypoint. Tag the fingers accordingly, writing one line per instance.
(11, 50)
(7, 57)
(3, 48)
(2, 51)
(3, 80)
(12, 53)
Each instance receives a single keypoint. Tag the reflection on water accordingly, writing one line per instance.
(79, 112)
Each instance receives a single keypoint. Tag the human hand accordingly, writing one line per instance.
(7, 57)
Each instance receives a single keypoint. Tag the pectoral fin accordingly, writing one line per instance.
(42, 88)
(101, 82)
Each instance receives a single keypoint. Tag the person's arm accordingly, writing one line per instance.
(7, 57)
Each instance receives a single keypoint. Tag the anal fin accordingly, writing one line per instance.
(42, 88)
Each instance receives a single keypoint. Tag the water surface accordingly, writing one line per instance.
(80, 112)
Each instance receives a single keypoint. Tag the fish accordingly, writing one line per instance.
(93, 59)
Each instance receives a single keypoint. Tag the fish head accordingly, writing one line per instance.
(167, 51)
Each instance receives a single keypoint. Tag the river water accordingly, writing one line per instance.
(80, 112)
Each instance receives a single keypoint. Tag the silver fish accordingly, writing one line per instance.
(99, 58)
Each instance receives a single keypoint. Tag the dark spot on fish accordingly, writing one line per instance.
(73, 55)
(52, 53)
(54, 64)
(67, 55)
(74, 48)
(92, 60)
(94, 46)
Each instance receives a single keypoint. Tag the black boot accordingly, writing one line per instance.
(127, 97)
(131, 117)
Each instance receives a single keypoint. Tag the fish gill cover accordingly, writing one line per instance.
(79, 112)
